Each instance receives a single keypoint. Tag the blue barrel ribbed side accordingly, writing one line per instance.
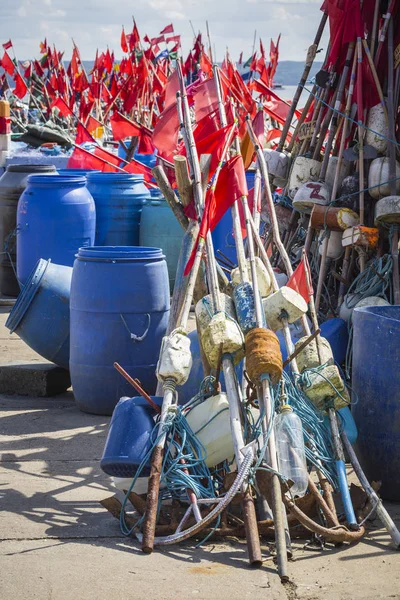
(119, 198)
(40, 315)
(159, 225)
(119, 312)
(55, 216)
(376, 381)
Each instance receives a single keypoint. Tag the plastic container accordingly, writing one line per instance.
(40, 315)
(159, 225)
(119, 312)
(290, 449)
(223, 239)
(129, 437)
(55, 216)
(119, 198)
(12, 184)
(211, 424)
(376, 381)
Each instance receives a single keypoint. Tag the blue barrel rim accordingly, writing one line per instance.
(27, 294)
(378, 311)
(54, 179)
(74, 172)
(119, 254)
(100, 177)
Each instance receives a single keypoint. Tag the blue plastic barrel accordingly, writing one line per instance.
(119, 312)
(74, 172)
(40, 315)
(250, 177)
(376, 381)
(129, 437)
(158, 225)
(119, 198)
(55, 216)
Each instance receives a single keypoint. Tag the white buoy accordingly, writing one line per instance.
(335, 248)
(263, 277)
(387, 210)
(303, 170)
(278, 166)
(314, 355)
(287, 303)
(378, 123)
(346, 312)
(379, 175)
(309, 194)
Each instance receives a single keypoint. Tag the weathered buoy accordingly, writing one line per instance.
(285, 303)
(335, 248)
(378, 178)
(309, 194)
(314, 355)
(263, 277)
(333, 218)
(303, 170)
(387, 210)
(323, 387)
(346, 311)
(377, 122)
(243, 296)
(278, 166)
(360, 236)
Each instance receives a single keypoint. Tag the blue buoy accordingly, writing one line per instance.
(129, 437)
(119, 313)
(119, 198)
(376, 381)
(40, 315)
(55, 216)
(243, 297)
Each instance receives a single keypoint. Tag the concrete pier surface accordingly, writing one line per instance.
(59, 543)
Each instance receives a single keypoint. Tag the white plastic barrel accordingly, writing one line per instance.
(379, 175)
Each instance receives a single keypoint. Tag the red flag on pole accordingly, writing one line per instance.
(62, 106)
(231, 186)
(123, 127)
(124, 42)
(82, 135)
(168, 29)
(7, 64)
(300, 278)
(21, 88)
(7, 45)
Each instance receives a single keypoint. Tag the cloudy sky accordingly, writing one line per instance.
(96, 23)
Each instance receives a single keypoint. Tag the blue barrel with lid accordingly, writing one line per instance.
(119, 198)
(376, 381)
(119, 313)
(159, 225)
(129, 437)
(55, 216)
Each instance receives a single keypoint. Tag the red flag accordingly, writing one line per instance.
(168, 29)
(205, 98)
(205, 64)
(38, 68)
(259, 127)
(171, 89)
(62, 106)
(92, 124)
(298, 281)
(174, 38)
(231, 186)
(108, 63)
(157, 40)
(165, 134)
(123, 127)
(83, 159)
(134, 37)
(213, 144)
(240, 58)
(7, 64)
(138, 168)
(82, 135)
(145, 142)
(124, 43)
(20, 89)
(7, 45)
(43, 47)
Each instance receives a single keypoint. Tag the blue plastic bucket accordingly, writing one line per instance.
(119, 313)
(40, 315)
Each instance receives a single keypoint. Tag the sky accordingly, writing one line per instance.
(97, 23)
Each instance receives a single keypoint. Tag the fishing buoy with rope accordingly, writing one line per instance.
(286, 303)
(309, 194)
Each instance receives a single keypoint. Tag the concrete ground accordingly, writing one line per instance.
(58, 543)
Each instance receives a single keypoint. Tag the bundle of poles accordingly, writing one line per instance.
(329, 108)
